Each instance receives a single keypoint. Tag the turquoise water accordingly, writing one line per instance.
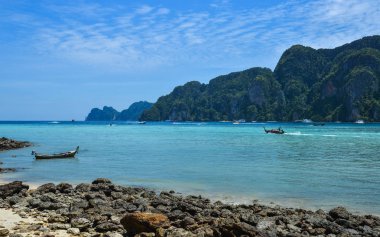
(311, 167)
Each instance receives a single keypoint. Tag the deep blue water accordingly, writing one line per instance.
(311, 167)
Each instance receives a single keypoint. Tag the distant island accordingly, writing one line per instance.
(340, 84)
(133, 113)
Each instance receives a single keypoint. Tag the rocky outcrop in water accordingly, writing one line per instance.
(105, 209)
(10, 144)
(133, 113)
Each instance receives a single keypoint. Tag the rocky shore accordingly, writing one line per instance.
(10, 144)
(107, 210)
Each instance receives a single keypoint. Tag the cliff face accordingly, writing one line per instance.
(105, 114)
(133, 113)
(324, 85)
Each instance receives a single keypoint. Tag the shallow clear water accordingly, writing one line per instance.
(311, 167)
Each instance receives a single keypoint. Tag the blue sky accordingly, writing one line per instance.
(59, 59)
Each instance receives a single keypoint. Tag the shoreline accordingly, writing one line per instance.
(225, 198)
(100, 207)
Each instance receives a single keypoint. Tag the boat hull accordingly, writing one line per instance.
(69, 154)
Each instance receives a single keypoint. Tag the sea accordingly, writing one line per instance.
(309, 166)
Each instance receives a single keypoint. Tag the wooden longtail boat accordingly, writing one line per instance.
(69, 154)
(275, 131)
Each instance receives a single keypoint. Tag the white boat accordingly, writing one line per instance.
(359, 121)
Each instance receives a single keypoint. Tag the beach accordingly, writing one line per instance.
(102, 208)
(50, 201)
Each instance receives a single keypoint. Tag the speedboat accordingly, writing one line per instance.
(275, 131)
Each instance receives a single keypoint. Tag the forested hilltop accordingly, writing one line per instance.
(340, 84)
(133, 113)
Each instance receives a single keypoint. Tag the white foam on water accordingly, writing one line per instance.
(298, 134)
(53, 122)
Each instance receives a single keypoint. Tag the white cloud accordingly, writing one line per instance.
(150, 36)
(163, 11)
(144, 9)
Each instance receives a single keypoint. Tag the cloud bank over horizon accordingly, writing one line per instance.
(117, 53)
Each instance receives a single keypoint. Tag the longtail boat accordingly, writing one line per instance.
(68, 154)
(275, 131)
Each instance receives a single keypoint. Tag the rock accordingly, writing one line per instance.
(265, 224)
(293, 228)
(73, 231)
(64, 187)
(15, 235)
(82, 188)
(144, 234)
(4, 232)
(49, 187)
(81, 223)
(139, 222)
(11, 189)
(187, 221)
(178, 232)
(7, 170)
(9, 144)
(339, 212)
(59, 226)
(351, 232)
(112, 234)
(14, 199)
(107, 226)
(101, 181)
(57, 219)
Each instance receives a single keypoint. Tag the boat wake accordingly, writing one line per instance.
(54, 122)
(308, 134)
(298, 134)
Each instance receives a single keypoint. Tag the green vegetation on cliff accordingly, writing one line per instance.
(133, 113)
(324, 85)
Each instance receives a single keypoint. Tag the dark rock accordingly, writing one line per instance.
(58, 219)
(187, 221)
(83, 188)
(81, 223)
(7, 170)
(64, 187)
(12, 188)
(101, 181)
(9, 144)
(49, 187)
(339, 212)
(4, 232)
(13, 200)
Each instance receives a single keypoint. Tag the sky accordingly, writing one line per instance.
(61, 58)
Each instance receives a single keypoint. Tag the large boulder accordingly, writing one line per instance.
(12, 188)
(339, 212)
(46, 188)
(139, 222)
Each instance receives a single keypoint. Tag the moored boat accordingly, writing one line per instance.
(68, 154)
